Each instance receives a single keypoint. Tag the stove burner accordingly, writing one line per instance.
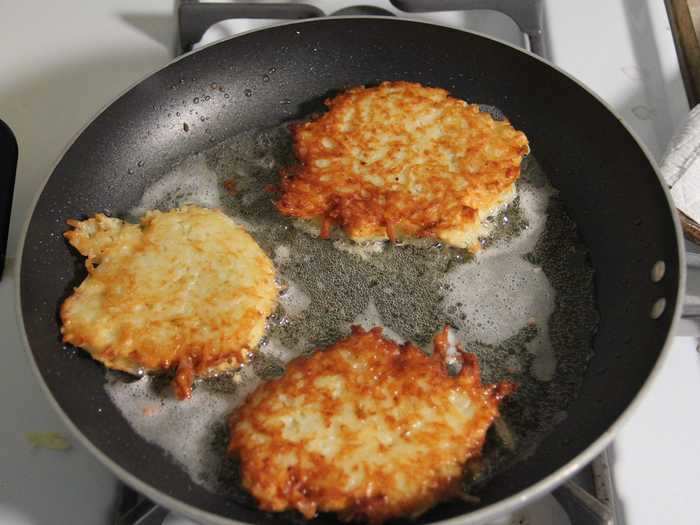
(363, 10)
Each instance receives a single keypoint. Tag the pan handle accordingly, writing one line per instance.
(8, 170)
(691, 310)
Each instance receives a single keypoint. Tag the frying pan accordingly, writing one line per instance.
(604, 176)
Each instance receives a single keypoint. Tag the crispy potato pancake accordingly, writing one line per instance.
(402, 160)
(186, 289)
(366, 428)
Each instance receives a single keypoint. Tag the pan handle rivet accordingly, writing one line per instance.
(658, 271)
(658, 308)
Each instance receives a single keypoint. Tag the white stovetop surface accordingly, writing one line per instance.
(62, 61)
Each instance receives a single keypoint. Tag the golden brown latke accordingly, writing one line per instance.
(186, 289)
(366, 428)
(402, 160)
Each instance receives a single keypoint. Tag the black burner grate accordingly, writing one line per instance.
(195, 17)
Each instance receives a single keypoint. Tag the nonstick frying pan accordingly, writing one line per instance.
(604, 176)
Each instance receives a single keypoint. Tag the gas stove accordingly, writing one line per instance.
(622, 49)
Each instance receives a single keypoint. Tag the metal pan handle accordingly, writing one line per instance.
(8, 170)
(691, 310)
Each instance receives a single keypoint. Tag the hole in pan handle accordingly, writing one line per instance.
(691, 310)
(8, 171)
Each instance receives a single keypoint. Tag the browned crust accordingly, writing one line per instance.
(467, 168)
(195, 344)
(315, 483)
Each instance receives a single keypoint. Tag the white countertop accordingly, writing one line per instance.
(63, 61)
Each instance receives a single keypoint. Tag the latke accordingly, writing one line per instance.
(186, 290)
(365, 428)
(402, 160)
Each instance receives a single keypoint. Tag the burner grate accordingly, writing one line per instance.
(587, 499)
(194, 17)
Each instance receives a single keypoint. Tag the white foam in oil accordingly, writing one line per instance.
(282, 254)
(274, 348)
(363, 250)
(182, 428)
(190, 182)
(293, 299)
(371, 317)
(411, 291)
(501, 293)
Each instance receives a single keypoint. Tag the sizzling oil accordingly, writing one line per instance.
(524, 305)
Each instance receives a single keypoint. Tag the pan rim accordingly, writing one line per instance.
(499, 508)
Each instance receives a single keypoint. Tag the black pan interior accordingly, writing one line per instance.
(263, 78)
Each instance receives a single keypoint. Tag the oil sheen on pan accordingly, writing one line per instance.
(524, 305)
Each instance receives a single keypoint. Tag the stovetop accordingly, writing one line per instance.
(71, 59)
